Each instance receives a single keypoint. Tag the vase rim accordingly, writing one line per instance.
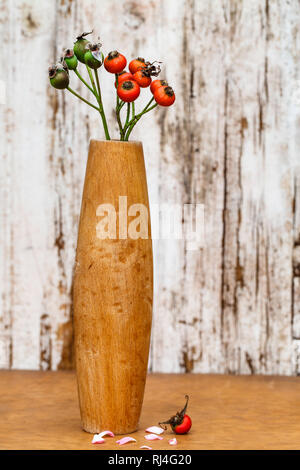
(116, 141)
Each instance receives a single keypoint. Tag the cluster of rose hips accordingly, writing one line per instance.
(128, 84)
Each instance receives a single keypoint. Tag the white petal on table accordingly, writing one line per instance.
(97, 439)
(125, 440)
(173, 442)
(153, 437)
(155, 430)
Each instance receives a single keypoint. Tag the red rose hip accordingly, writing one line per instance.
(128, 91)
(122, 76)
(115, 62)
(142, 79)
(164, 96)
(180, 423)
(137, 64)
(156, 84)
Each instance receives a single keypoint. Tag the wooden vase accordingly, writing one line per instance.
(113, 292)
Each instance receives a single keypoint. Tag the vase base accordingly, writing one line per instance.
(117, 432)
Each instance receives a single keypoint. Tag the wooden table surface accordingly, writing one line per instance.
(39, 410)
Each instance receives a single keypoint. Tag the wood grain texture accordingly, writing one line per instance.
(113, 289)
(231, 142)
(227, 412)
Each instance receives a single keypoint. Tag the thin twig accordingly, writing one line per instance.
(82, 99)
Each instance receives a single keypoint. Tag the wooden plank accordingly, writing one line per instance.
(235, 412)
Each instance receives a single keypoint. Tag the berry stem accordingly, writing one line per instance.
(83, 81)
(98, 97)
(81, 98)
(102, 113)
(117, 84)
(92, 81)
(128, 115)
(128, 129)
(182, 412)
(118, 109)
(165, 422)
(135, 117)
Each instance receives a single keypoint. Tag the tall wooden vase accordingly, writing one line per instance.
(113, 292)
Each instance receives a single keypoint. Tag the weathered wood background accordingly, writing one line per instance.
(231, 141)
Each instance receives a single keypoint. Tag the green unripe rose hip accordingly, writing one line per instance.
(80, 47)
(70, 59)
(59, 78)
(93, 56)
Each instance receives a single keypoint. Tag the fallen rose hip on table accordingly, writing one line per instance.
(180, 423)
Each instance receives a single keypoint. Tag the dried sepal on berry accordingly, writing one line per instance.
(144, 74)
(94, 57)
(151, 70)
